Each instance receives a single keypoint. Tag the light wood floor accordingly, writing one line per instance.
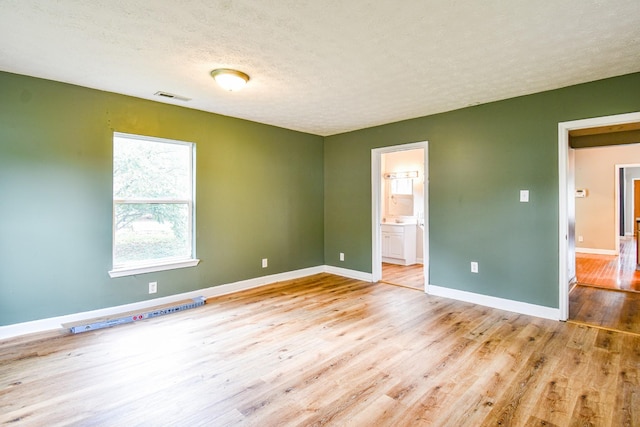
(608, 292)
(326, 350)
(606, 308)
(411, 276)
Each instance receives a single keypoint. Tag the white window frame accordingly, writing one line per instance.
(167, 263)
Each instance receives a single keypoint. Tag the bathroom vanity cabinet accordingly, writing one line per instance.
(399, 243)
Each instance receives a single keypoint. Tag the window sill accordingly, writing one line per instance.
(132, 271)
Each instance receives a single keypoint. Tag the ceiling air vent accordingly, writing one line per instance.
(171, 96)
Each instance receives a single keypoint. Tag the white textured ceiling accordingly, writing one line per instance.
(323, 66)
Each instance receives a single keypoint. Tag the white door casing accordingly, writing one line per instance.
(566, 200)
(376, 206)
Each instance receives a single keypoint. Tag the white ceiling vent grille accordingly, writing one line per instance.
(172, 96)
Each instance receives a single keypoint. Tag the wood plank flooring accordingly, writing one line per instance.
(411, 276)
(610, 271)
(325, 350)
(606, 308)
(609, 290)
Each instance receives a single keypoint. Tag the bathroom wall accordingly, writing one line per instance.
(405, 161)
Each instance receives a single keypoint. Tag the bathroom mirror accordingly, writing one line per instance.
(400, 197)
(402, 187)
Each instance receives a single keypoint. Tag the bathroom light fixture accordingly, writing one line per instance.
(401, 175)
(228, 79)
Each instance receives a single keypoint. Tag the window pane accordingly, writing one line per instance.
(150, 169)
(151, 232)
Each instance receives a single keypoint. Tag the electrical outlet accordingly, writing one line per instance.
(265, 262)
(474, 267)
(580, 239)
(153, 287)
(341, 256)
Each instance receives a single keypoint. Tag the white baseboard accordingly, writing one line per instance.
(352, 274)
(495, 302)
(243, 285)
(54, 323)
(596, 251)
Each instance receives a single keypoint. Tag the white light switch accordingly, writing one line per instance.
(524, 195)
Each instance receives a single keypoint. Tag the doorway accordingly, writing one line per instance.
(636, 204)
(400, 232)
(606, 246)
(567, 202)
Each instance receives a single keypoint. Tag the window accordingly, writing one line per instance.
(153, 204)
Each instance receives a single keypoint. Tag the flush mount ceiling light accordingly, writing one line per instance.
(228, 79)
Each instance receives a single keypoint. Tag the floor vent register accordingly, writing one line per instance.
(107, 322)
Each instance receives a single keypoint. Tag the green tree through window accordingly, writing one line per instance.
(152, 201)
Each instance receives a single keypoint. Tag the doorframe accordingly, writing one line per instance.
(566, 199)
(376, 207)
(620, 196)
(633, 200)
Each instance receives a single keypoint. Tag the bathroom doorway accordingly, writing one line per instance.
(400, 216)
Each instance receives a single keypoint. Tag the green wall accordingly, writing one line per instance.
(479, 159)
(259, 193)
(263, 191)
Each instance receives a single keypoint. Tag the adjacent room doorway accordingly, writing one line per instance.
(566, 202)
(400, 220)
